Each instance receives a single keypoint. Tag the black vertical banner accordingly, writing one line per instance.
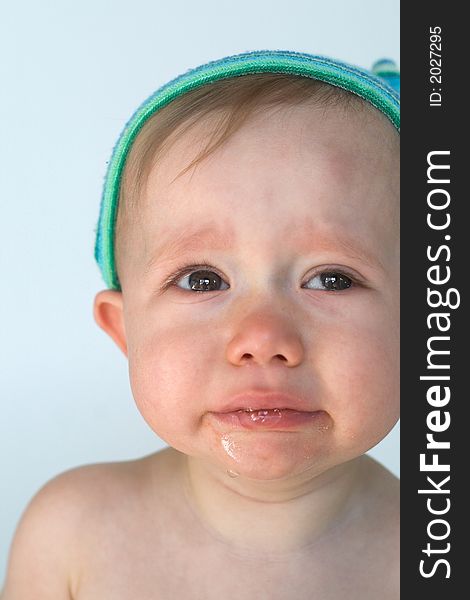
(435, 434)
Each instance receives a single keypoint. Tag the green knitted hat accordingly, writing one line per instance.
(379, 87)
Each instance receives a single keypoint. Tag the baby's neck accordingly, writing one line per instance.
(272, 517)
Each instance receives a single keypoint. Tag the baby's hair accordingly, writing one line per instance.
(230, 102)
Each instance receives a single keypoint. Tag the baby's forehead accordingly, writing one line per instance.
(268, 187)
(342, 133)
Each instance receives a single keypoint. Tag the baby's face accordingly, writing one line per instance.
(293, 195)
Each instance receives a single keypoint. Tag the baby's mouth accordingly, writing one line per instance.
(263, 414)
(272, 418)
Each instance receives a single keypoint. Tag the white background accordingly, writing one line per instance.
(72, 73)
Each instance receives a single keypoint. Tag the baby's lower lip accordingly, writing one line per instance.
(277, 418)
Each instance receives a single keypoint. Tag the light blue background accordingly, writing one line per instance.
(73, 73)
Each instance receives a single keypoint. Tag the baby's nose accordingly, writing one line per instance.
(263, 339)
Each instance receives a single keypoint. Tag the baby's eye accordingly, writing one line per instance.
(202, 281)
(206, 280)
(330, 281)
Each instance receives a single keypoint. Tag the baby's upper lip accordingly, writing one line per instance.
(257, 400)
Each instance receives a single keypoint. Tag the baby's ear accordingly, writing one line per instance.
(109, 314)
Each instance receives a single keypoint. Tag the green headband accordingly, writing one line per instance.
(380, 88)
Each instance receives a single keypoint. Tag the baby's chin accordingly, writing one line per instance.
(301, 456)
(273, 455)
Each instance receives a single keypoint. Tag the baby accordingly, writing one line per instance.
(252, 270)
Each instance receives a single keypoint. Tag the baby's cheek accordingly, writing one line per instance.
(167, 378)
(363, 382)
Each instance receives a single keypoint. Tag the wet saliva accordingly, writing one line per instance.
(264, 415)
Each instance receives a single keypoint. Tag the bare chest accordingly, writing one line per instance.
(202, 570)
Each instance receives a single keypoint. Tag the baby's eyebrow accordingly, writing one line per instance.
(305, 240)
(207, 237)
(350, 247)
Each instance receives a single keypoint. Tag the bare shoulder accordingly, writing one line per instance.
(52, 540)
(382, 515)
(383, 488)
